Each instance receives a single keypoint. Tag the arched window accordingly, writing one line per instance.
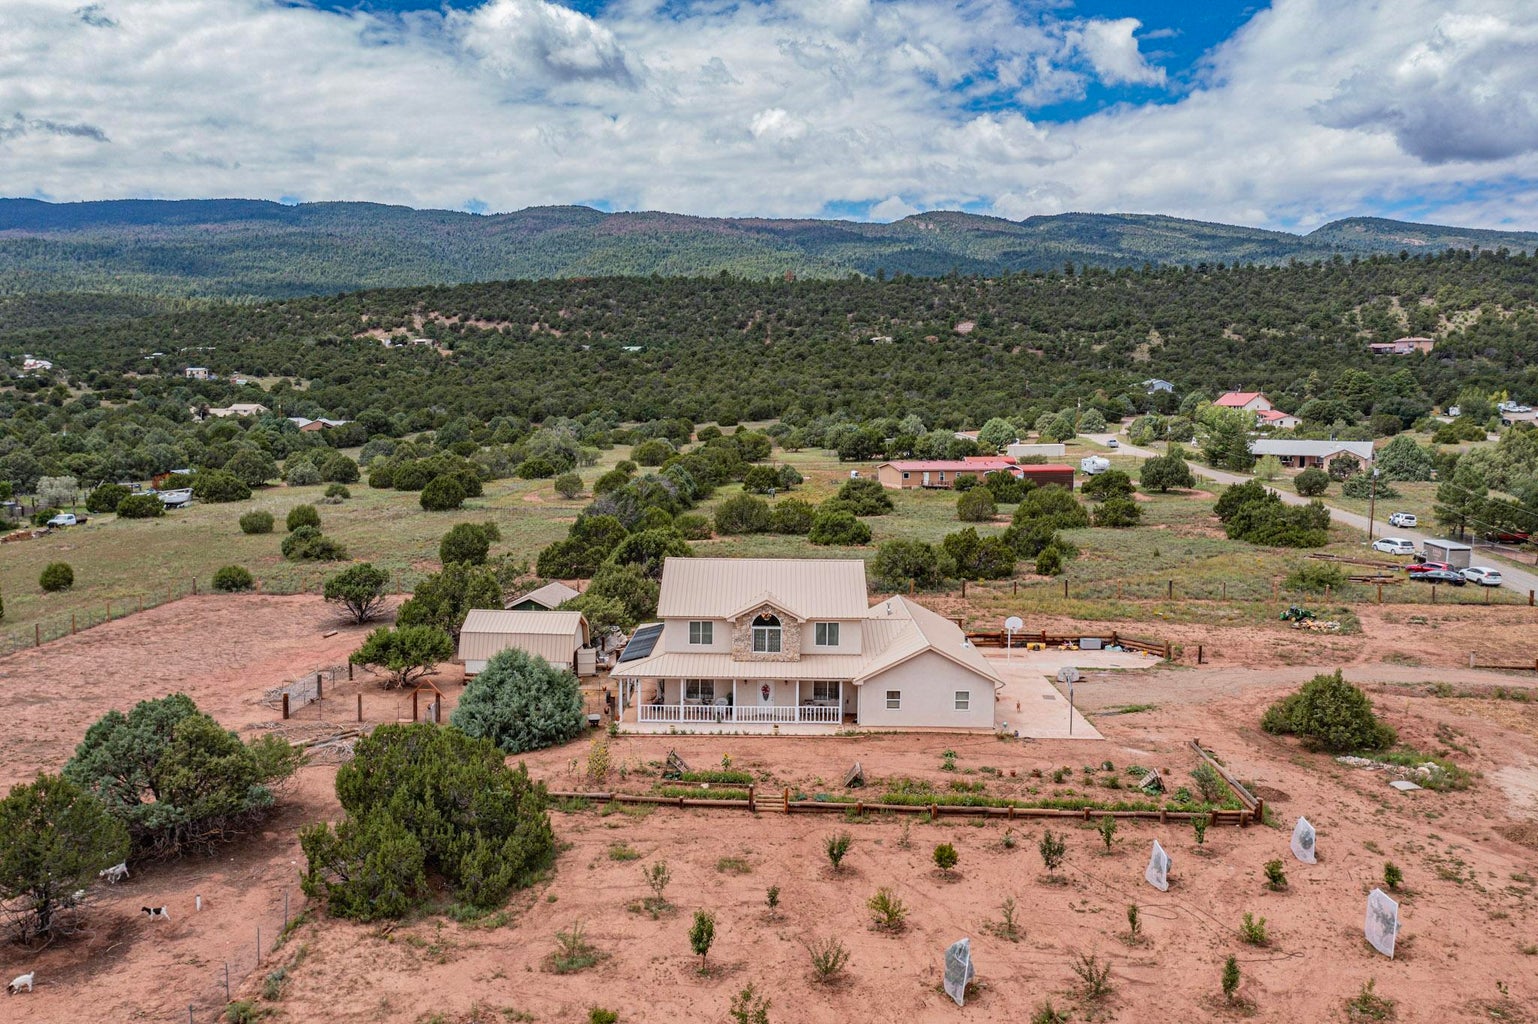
(766, 634)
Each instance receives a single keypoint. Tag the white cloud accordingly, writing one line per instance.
(1314, 109)
(892, 208)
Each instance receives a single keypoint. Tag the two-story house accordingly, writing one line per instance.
(758, 643)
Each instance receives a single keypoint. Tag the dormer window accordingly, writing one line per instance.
(766, 634)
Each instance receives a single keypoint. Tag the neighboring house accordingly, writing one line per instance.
(942, 474)
(1276, 419)
(309, 426)
(1315, 454)
(561, 638)
(32, 363)
(197, 373)
(1155, 384)
(1021, 450)
(239, 409)
(1401, 346)
(758, 643)
(548, 597)
(1249, 401)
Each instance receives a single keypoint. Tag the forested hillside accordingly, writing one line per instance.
(244, 248)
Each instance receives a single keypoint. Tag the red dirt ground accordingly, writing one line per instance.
(1466, 921)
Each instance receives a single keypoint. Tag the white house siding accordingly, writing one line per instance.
(675, 637)
(928, 683)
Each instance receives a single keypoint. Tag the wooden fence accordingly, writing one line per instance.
(1253, 804)
(1531, 666)
(996, 638)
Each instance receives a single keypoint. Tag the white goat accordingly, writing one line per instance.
(157, 913)
(115, 874)
(20, 981)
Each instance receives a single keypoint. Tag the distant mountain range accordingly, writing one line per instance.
(238, 247)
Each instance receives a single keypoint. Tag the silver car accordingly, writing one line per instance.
(1483, 575)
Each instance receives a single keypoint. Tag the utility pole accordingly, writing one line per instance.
(1372, 502)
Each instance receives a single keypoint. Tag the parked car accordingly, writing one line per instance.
(1424, 566)
(1510, 536)
(1394, 546)
(1403, 520)
(66, 519)
(1483, 575)
(1452, 579)
(1113, 443)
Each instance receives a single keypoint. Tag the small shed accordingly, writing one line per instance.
(546, 598)
(561, 638)
(1459, 556)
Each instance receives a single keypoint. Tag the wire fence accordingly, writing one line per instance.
(1247, 590)
(229, 959)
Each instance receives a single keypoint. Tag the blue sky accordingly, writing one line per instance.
(1281, 114)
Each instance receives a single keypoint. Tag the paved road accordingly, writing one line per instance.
(1515, 577)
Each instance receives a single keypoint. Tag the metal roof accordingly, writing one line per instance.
(717, 588)
(1316, 449)
(487, 620)
(642, 642)
(551, 595)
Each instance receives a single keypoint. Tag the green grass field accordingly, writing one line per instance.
(118, 564)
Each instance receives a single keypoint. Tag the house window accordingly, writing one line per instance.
(766, 635)
(827, 634)
(825, 690)
(894, 700)
(701, 690)
(963, 700)
(702, 633)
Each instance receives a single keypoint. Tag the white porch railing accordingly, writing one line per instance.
(717, 714)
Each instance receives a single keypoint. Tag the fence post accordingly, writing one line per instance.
(285, 706)
(226, 981)
(1434, 593)
(1198, 654)
(1529, 598)
(1171, 590)
(413, 705)
(349, 671)
(258, 945)
(37, 634)
(1274, 594)
(752, 807)
(1225, 590)
(1016, 590)
(1380, 593)
(319, 690)
(71, 623)
(963, 590)
(787, 801)
(1065, 586)
(194, 586)
(360, 707)
(285, 908)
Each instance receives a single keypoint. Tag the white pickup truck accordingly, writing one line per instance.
(66, 519)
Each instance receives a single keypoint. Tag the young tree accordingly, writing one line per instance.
(1164, 472)
(1230, 977)
(56, 837)
(1463, 498)
(946, 857)
(444, 598)
(1052, 849)
(407, 652)
(702, 934)
(360, 589)
(521, 702)
(997, 433)
(468, 542)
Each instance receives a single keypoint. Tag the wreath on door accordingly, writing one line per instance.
(764, 691)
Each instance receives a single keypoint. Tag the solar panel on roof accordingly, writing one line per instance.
(642, 642)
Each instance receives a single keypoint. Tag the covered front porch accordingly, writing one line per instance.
(735, 702)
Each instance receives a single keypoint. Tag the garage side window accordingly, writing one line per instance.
(963, 700)
(894, 700)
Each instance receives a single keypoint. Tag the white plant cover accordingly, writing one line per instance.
(1158, 870)
(1382, 926)
(958, 970)
(1303, 841)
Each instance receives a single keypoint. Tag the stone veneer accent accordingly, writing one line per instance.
(742, 636)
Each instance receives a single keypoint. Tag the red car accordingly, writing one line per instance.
(1415, 567)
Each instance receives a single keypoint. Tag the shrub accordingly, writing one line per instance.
(253, 466)
(360, 589)
(1368, 1005)
(421, 801)
(1163, 472)
(743, 513)
(407, 652)
(657, 877)
(772, 898)
(749, 1007)
(56, 576)
(1117, 513)
(1049, 561)
(568, 485)
(1361, 486)
(1107, 830)
(215, 485)
(693, 527)
(1210, 784)
(598, 1015)
(976, 506)
(890, 913)
(444, 598)
(306, 543)
(1268, 468)
(255, 522)
(829, 957)
(302, 515)
(304, 473)
(1253, 930)
(176, 779)
(837, 847)
(338, 491)
(1276, 875)
(521, 702)
(536, 468)
(1134, 922)
(865, 497)
(1113, 483)
(233, 578)
(105, 498)
(702, 934)
(1314, 577)
(469, 543)
(336, 468)
(835, 526)
(946, 857)
(1331, 715)
(1199, 823)
(57, 837)
(791, 517)
(1393, 877)
(1094, 976)
(898, 561)
(1312, 482)
(1230, 977)
(1046, 1013)
(1052, 849)
(443, 493)
(140, 506)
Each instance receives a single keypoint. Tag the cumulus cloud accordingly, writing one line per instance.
(1313, 109)
(1466, 92)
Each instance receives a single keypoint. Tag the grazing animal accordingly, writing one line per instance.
(20, 981)
(115, 874)
(161, 913)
